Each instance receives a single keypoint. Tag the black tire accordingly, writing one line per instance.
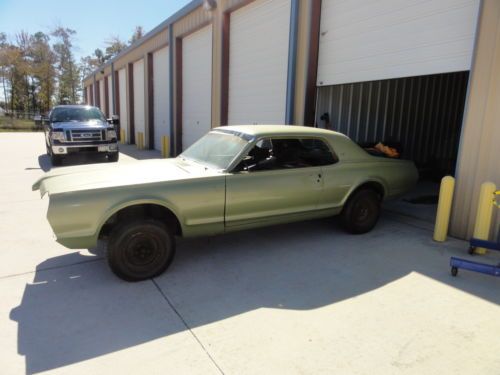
(56, 160)
(361, 212)
(454, 271)
(139, 250)
(113, 156)
(472, 250)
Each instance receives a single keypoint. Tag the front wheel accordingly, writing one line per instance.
(113, 156)
(361, 212)
(140, 250)
(56, 160)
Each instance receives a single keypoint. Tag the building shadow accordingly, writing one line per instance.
(133, 152)
(79, 312)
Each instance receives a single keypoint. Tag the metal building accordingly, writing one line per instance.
(424, 75)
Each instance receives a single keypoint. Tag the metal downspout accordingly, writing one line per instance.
(292, 62)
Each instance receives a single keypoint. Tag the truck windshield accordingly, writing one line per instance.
(76, 114)
(217, 149)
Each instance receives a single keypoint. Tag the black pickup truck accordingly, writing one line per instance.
(73, 129)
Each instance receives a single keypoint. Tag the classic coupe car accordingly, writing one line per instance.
(233, 178)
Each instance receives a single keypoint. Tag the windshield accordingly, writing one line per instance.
(217, 149)
(76, 114)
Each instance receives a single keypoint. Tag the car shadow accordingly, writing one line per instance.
(70, 160)
(79, 312)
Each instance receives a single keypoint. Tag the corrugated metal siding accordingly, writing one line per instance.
(192, 21)
(423, 114)
(158, 41)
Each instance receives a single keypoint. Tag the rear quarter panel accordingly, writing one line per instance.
(356, 167)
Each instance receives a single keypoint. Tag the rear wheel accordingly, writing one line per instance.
(140, 250)
(361, 212)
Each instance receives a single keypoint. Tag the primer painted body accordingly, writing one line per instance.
(208, 201)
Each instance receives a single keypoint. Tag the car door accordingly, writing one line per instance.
(273, 192)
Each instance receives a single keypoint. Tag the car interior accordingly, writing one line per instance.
(272, 154)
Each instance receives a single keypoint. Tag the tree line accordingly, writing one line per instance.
(40, 70)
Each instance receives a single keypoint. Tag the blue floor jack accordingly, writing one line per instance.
(488, 269)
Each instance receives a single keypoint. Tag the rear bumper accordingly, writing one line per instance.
(71, 149)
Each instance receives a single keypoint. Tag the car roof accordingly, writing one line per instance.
(273, 130)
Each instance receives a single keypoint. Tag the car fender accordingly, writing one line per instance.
(146, 200)
(361, 182)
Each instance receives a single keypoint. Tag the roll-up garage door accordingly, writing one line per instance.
(373, 40)
(122, 86)
(139, 114)
(102, 98)
(111, 107)
(258, 61)
(196, 85)
(161, 95)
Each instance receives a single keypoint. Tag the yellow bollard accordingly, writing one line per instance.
(122, 136)
(444, 208)
(165, 146)
(484, 214)
(140, 140)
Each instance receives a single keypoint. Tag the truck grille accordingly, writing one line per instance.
(85, 135)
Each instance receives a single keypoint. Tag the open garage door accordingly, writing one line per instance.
(196, 85)
(139, 102)
(122, 87)
(397, 73)
(368, 41)
(161, 96)
(258, 62)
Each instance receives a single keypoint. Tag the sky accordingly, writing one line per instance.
(93, 20)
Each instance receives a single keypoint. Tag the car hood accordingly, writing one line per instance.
(80, 124)
(99, 176)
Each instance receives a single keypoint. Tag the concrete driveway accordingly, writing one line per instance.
(296, 299)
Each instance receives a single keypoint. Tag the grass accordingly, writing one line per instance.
(8, 124)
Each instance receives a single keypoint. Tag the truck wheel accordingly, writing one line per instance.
(140, 250)
(113, 156)
(361, 212)
(56, 160)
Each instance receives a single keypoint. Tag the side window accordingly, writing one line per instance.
(317, 153)
(287, 153)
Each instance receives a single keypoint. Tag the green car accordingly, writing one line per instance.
(234, 178)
